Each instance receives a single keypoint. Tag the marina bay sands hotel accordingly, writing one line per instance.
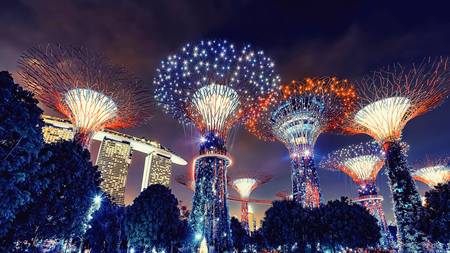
(115, 155)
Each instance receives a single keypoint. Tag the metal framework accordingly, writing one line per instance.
(84, 87)
(296, 115)
(212, 85)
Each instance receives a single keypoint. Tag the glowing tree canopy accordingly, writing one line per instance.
(388, 100)
(361, 162)
(212, 85)
(244, 186)
(393, 96)
(296, 114)
(301, 110)
(433, 172)
(85, 87)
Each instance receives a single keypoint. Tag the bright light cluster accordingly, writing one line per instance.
(84, 87)
(245, 186)
(212, 83)
(433, 175)
(299, 111)
(391, 97)
(361, 162)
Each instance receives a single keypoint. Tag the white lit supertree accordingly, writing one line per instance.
(389, 99)
(211, 85)
(433, 171)
(362, 162)
(244, 186)
(83, 86)
(296, 114)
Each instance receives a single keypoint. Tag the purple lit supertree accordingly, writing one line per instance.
(296, 114)
(84, 87)
(244, 186)
(433, 171)
(211, 85)
(362, 162)
(389, 99)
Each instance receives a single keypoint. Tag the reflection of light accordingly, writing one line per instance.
(132, 250)
(384, 118)
(244, 186)
(90, 109)
(433, 176)
(363, 166)
(198, 236)
(98, 200)
(202, 139)
(307, 152)
(216, 104)
(203, 246)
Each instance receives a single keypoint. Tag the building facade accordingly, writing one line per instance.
(157, 170)
(56, 129)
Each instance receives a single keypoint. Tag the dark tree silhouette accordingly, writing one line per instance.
(20, 143)
(347, 224)
(239, 235)
(60, 210)
(435, 219)
(153, 221)
(258, 241)
(107, 228)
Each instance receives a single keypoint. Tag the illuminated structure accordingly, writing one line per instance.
(245, 186)
(433, 172)
(362, 162)
(252, 226)
(389, 99)
(85, 88)
(211, 85)
(56, 129)
(296, 115)
(114, 157)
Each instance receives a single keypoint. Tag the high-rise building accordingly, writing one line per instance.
(114, 158)
(157, 170)
(56, 129)
(251, 219)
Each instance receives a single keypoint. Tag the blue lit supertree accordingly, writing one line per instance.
(212, 85)
(362, 162)
(296, 115)
(389, 99)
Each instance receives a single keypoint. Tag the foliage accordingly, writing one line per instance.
(239, 235)
(435, 220)
(258, 241)
(59, 211)
(153, 221)
(20, 143)
(107, 228)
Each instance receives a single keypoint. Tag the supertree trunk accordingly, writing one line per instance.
(305, 182)
(406, 199)
(209, 218)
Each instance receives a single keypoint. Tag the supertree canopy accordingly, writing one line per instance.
(388, 100)
(84, 87)
(244, 186)
(362, 162)
(433, 171)
(212, 85)
(296, 114)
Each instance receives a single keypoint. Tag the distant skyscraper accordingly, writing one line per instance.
(114, 158)
(56, 129)
(157, 170)
(251, 219)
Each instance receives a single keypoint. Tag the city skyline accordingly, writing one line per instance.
(349, 48)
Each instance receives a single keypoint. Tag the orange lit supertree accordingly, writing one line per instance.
(389, 99)
(296, 115)
(362, 162)
(84, 87)
(433, 171)
(244, 186)
(211, 85)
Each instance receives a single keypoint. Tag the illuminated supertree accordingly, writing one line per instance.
(245, 186)
(389, 99)
(84, 87)
(296, 115)
(211, 85)
(433, 171)
(362, 162)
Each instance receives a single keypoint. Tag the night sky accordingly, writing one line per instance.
(347, 39)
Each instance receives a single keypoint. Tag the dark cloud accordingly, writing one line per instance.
(343, 38)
